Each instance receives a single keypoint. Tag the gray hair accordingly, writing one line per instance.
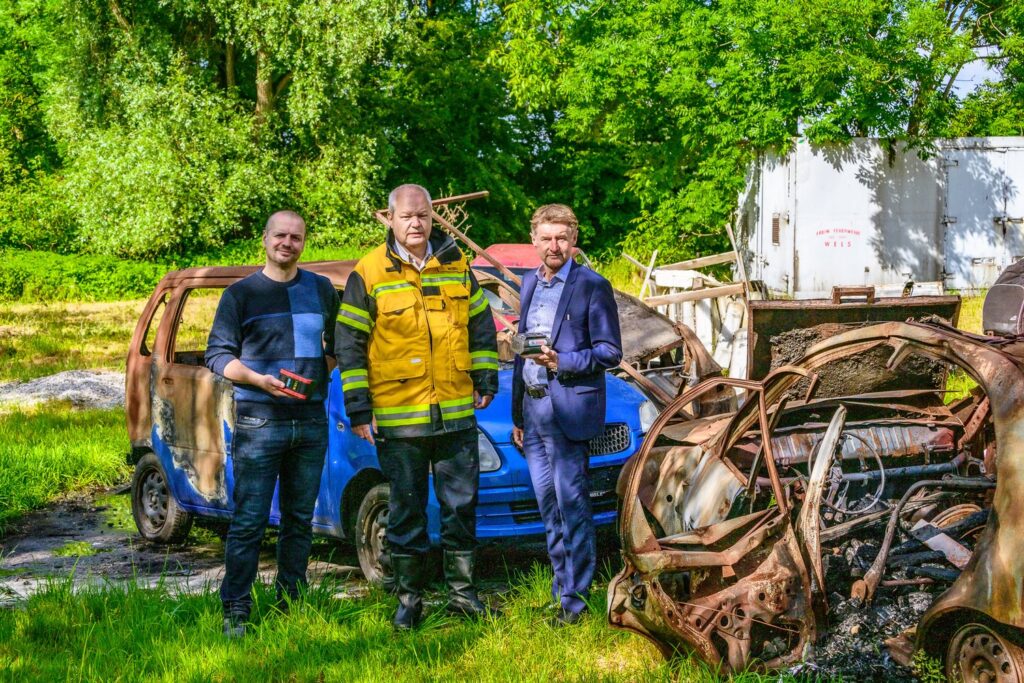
(401, 188)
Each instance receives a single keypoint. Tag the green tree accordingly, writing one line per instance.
(688, 91)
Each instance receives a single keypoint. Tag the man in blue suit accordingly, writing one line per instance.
(558, 397)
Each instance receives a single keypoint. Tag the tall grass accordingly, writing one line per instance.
(40, 339)
(51, 450)
(127, 633)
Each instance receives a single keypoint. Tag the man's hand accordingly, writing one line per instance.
(366, 432)
(548, 358)
(517, 437)
(481, 402)
(270, 384)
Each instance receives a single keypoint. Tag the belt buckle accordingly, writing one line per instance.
(537, 392)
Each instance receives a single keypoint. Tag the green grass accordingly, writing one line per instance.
(75, 549)
(40, 339)
(958, 384)
(128, 633)
(50, 450)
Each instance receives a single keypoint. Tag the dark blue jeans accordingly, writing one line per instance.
(264, 451)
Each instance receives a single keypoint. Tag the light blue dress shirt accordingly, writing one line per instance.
(541, 318)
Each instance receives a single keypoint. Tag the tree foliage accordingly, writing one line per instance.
(688, 91)
(156, 128)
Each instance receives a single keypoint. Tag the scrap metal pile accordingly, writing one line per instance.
(748, 534)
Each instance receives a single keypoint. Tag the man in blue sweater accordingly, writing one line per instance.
(280, 318)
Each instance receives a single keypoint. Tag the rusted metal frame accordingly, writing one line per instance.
(753, 479)
(647, 384)
(973, 426)
(874, 574)
(809, 521)
(671, 410)
(669, 559)
(769, 459)
(715, 532)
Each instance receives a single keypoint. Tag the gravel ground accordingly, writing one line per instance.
(81, 388)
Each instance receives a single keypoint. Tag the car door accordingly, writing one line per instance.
(193, 409)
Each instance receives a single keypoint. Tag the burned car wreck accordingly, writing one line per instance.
(732, 524)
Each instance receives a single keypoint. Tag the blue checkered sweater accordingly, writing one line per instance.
(271, 325)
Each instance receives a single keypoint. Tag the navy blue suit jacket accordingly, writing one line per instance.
(586, 336)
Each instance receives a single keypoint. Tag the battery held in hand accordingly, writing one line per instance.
(296, 386)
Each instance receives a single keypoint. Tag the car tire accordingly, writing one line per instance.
(977, 653)
(157, 514)
(371, 533)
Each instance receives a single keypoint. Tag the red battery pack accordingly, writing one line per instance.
(296, 386)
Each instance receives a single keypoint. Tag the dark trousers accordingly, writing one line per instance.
(558, 469)
(406, 463)
(264, 451)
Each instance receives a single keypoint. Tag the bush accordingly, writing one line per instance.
(44, 276)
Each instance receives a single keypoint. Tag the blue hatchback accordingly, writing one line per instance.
(180, 419)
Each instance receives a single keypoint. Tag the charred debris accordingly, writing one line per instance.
(840, 495)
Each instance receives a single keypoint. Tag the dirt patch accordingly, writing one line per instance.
(92, 538)
(81, 388)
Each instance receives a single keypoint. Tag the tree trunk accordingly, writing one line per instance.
(264, 86)
(229, 65)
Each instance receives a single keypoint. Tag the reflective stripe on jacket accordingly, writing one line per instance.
(412, 346)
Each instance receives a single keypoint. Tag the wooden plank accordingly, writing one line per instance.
(702, 262)
(647, 275)
(731, 323)
(696, 295)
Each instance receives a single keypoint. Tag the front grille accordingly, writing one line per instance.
(614, 440)
(602, 496)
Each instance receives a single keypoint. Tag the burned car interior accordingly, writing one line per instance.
(843, 473)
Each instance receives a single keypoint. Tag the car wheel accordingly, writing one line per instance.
(977, 654)
(157, 515)
(371, 533)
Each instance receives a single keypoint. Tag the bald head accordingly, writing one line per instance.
(283, 217)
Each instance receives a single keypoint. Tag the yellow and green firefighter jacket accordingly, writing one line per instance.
(412, 346)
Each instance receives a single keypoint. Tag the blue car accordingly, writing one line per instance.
(180, 418)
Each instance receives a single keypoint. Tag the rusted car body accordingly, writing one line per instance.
(724, 531)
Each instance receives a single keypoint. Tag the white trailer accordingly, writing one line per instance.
(871, 214)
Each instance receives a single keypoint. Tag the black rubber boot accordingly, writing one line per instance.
(458, 574)
(410, 571)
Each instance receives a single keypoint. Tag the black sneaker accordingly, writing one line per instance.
(234, 626)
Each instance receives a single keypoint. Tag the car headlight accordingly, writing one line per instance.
(490, 461)
(648, 414)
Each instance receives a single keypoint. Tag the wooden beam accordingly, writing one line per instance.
(702, 262)
(696, 295)
(633, 261)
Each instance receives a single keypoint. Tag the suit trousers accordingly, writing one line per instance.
(406, 462)
(559, 471)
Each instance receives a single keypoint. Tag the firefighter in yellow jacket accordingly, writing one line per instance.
(418, 355)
